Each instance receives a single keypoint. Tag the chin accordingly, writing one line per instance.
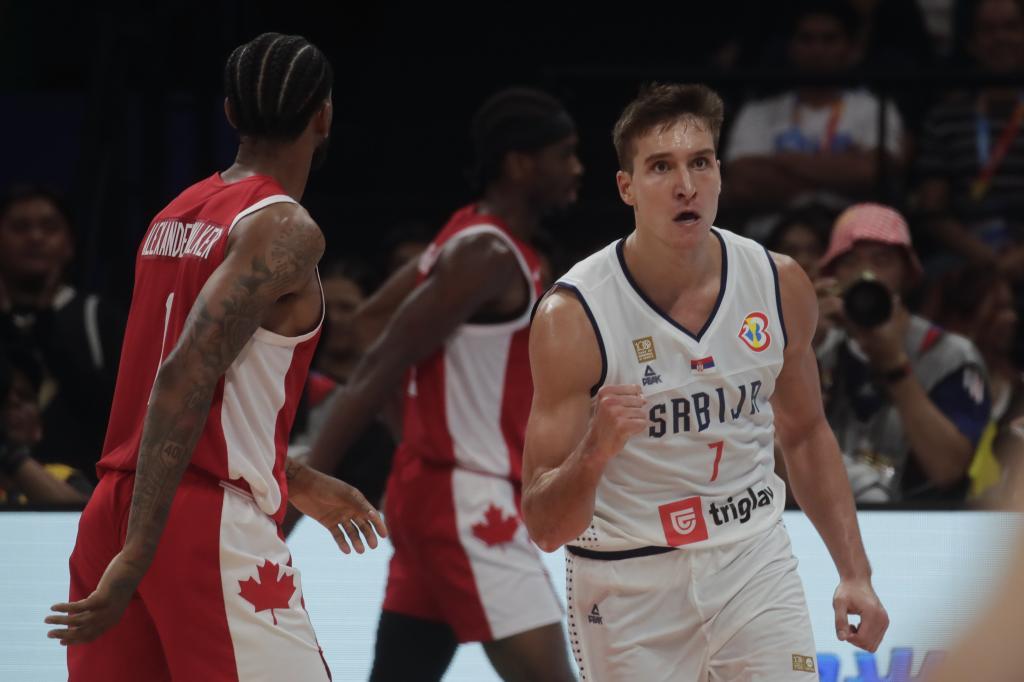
(688, 234)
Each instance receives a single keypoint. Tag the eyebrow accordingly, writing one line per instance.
(707, 151)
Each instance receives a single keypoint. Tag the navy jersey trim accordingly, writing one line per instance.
(618, 555)
(778, 298)
(597, 332)
(668, 318)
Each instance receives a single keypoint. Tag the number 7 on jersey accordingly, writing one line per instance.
(718, 446)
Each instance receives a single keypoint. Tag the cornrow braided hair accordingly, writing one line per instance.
(275, 83)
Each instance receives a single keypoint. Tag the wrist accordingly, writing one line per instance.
(137, 558)
(856, 576)
(895, 371)
(591, 462)
(297, 475)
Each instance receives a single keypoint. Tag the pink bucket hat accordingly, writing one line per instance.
(869, 223)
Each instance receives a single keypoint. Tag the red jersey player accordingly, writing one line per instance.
(464, 568)
(179, 569)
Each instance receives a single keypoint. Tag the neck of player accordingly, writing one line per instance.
(288, 163)
(667, 273)
(514, 209)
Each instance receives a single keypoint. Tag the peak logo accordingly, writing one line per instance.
(651, 377)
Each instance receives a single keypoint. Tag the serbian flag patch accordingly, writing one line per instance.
(702, 364)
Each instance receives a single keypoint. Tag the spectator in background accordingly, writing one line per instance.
(343, 294)
(971, 161)
(76, 338)
(893, 38)
(977, 301)
(907, 400)
(816, 140)
(22, 478)
(802, 234)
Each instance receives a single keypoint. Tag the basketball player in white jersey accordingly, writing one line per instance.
(665, 365)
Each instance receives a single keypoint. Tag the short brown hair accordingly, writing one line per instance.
(660, 105)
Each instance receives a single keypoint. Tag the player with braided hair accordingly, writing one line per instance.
(179, 569)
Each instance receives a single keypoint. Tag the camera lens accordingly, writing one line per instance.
(867, 303)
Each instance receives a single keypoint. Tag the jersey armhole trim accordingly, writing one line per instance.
(274, 339)
(262, 203)
(597, 333)
(778, 297)
(524, 318)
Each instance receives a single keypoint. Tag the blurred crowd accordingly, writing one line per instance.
(906, 210)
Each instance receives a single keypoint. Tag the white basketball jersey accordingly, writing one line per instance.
(703, 472)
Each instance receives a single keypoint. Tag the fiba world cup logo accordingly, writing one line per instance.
(754, 332)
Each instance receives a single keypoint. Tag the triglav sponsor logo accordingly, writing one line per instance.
(742, 508)
(683, 522)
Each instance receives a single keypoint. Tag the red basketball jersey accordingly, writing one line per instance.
(245, 439)
(467, 404)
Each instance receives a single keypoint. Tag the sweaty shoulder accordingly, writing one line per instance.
(564, 348)
(485, 246)
(799, 301)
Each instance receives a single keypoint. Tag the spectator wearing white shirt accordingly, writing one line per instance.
(818, 141)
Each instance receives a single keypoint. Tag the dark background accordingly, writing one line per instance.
(120, 107)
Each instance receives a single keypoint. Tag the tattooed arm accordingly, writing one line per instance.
(272, 254)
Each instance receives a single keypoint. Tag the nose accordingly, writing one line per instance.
(685, 187)
(577, 167)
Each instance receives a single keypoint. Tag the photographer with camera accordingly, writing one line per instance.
(907, 400)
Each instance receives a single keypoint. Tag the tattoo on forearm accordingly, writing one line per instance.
(214, 334)
(291, 468)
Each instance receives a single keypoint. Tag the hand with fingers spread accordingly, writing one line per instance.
(857, 597)
(619, 412)
(339, 507)
(87, 619)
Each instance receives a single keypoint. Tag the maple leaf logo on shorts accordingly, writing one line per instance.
(270, 592)
(496, 528)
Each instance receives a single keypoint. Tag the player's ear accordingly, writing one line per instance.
(517, 166)
(229, 112)
(624, 181)
(323, 117)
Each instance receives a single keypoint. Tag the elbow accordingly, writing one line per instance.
(542, 534)
(546, 546)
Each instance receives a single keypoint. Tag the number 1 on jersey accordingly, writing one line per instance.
(718, 446)
(163, 339)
